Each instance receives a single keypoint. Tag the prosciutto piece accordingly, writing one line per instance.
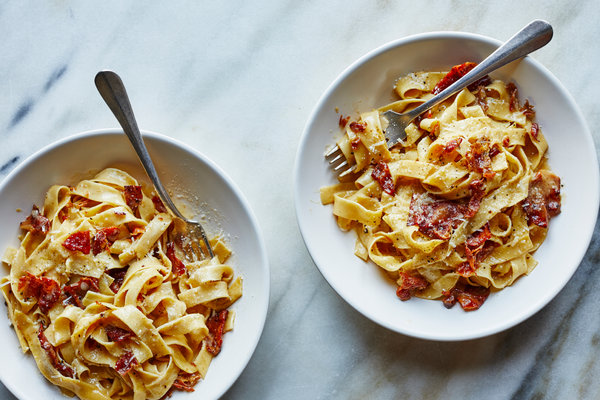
(543, 199)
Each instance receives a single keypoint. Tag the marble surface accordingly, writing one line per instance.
(237, 81)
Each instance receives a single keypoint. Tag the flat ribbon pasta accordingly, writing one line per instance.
(458, 207)
(103, 296)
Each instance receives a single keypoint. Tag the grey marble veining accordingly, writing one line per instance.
(237, 81)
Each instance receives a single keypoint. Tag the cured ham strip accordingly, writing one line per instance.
(543, 199)
(437, 218)
(410, 285)
(36, 222)
(45, 290)
(216, 329)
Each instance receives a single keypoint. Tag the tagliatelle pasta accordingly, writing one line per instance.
(108, 298)
(458, 208)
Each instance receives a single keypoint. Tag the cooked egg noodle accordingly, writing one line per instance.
(434, 159)
(164, 314)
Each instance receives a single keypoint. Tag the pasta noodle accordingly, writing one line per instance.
(458, 208)
(107, 298)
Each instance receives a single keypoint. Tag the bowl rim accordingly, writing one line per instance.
(303, 143)
(261, 250)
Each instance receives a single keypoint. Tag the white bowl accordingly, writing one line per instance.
(368, 84)
(195, 180)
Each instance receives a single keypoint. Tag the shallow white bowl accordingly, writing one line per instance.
(194, 180)
(368, 84)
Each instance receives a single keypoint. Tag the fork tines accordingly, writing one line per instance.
(338, 161)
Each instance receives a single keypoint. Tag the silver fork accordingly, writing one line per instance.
(112, 90)
(533, 36)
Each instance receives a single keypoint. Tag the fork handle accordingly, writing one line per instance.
(113, 92)
(533, 36)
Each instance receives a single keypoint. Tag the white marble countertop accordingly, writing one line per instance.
(237, 80)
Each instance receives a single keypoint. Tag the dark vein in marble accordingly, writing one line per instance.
(27, 106)
(22, 111)
(55, 77)
(7, 166)
(535, 384)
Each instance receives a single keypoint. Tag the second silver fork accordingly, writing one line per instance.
(532, 37)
